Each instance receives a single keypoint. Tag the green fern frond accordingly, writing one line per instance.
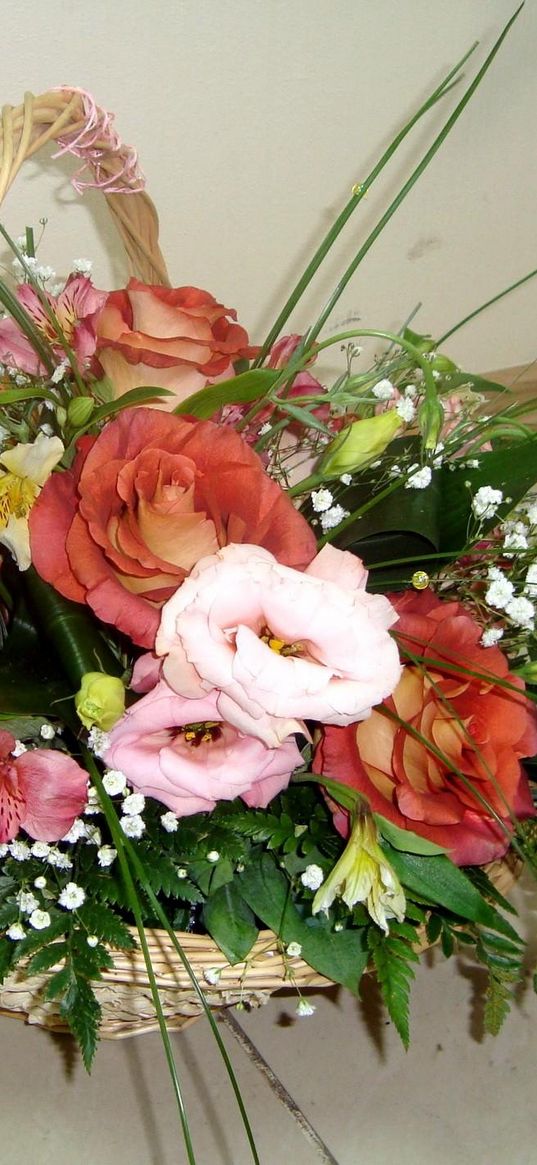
(393, 956)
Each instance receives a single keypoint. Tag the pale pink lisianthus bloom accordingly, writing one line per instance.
(76, 309)
(280, 643)
(41, 791)
(182, 752)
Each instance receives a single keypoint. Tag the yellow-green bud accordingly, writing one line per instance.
(79, 410)
(430, 420)
(441, 363)
(528, 672)
(100, 701)
(360, 444)
(61, 415)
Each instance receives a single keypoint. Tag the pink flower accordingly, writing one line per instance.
(41, 791)
(76, 309)
(183, 753)
(279, 643)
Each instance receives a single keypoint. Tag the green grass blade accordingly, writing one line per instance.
(477, 311)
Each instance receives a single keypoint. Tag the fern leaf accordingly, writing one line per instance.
(83, 1014)
(392, 959)
(497, 1001)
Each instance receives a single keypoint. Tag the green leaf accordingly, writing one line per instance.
(230, 922)
(392, 961)
(47, 957)
(404, 839)
(83, 1014)
(512, 469)
(242, 389)
(135, 396)
(106, 924)
(7, 953)
(9, 912)
(59, 983)
(60, 925)
(440, 882)
(340, 955)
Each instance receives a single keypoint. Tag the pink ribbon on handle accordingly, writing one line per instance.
(98, 128)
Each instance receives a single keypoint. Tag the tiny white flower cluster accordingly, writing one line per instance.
(312, 877)
(332, 517)
(406, 409)
(419, 478)
(383, 390)
(321, 500)
(501, 595)
(40, 272)
(486, 501)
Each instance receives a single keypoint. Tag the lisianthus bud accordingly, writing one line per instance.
(100, 701)
(359, 444)
(430, 420)
(79, 410)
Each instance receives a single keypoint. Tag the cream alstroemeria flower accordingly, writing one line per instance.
(23, 471)
(363, 874)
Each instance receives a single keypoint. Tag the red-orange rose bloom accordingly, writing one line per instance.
(144, 501)
(483, 729)
(177, 338)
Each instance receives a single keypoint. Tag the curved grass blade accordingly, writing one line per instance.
(482, 307)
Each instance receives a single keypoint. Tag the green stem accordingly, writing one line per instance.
(118, 838)
(359, 192)
(477, 311)
(384, 220)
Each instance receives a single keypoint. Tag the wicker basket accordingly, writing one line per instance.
(70, 118)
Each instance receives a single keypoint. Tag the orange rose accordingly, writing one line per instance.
(482, 730)
(143, 503)
(177, 338)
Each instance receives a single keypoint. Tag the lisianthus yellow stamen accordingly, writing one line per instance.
(203, 733)
(23, 470)
(363, 874)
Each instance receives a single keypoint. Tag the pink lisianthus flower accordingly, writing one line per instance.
(41, 791)
(280, 643)
(183, 753)
(76, 309)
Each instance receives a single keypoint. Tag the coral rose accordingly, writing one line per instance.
(278, 643)
(144, 501)
(41, 791)
(481, 728)
(177, 338)
(182, 752)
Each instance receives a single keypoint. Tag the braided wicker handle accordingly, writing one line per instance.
(71, 118)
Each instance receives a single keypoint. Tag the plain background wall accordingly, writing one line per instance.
(253, 119)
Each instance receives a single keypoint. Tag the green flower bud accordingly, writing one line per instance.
(430, 421)
(441, 363)
(79, 410)
(61, 415)
(360, 444)
(100, 701)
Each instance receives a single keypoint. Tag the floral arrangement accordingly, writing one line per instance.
(269, 650)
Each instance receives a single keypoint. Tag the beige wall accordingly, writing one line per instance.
(253, 118)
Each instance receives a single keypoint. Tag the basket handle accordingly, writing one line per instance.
(71, 118)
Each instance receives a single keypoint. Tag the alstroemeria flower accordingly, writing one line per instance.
(41, 791)
(76, 309)
(363, 874)
(280, 643)
(183, 753)
(23, 471)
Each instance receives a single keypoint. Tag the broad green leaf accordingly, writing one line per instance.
(135, 396)
(36, 392)
(242, 389)
(404, 839)
(512, 469)
(230, 922)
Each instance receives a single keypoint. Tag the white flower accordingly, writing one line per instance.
(521, 612)
(312, 877)
(24, 470)
(304, 1008)
(531, 514)
(59, 372)
(294, 950)
(77, 830)
(364, 874)
(133, 826)
(19, 850)
(15, 932)
(213, 856)
(169, 822)
(47, 732)
(27, 901)
(40, 882)
(39, 919)
(59, 860)
(491, 636)
(264, 429)
(499, 593)
(93, 835)
(212, 975)
(514, 541)
(420, 479)
(4, 849)
(383, 390)
(98, 741)
(72, 896)
(321, 500)
(106, 855)
(19, 749)
(346, 478)
(82, 266)
(333, 517)
(406, 409)
(182, 872)
(133, 804)
(40, 849)
(92, 940)
(486, 501)
(114, 782)
(530, 587)
(411, 391)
